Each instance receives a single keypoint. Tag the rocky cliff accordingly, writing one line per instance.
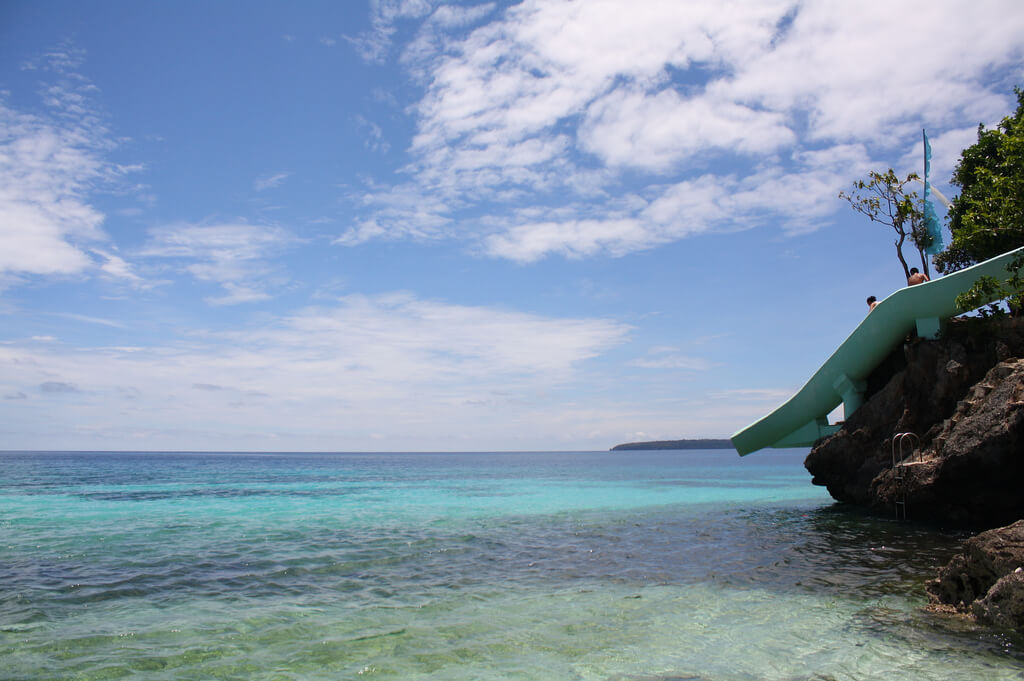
(962, 399)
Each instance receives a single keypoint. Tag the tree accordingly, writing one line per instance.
(987, 218)
(884, 198)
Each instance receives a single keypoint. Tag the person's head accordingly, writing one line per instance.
(871, 300)
(913, 270)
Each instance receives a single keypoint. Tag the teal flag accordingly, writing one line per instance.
(931, 220)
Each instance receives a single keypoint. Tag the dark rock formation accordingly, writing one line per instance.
(987, 579)
(963, 399)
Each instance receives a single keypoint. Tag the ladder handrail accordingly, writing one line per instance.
(901, 438)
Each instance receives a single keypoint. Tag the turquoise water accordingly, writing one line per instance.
(635, 566)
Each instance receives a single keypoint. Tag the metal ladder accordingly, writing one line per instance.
(900, 442)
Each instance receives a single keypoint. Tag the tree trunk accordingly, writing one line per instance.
(899, 254)
(924, 263)
(919, 233)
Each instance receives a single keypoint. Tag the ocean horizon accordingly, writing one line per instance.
(629, 565)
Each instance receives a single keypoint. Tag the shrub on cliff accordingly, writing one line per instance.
(987, 218)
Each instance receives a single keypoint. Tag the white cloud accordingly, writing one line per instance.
(865, 76)
(46, 170)
(556, 102)
(798, 199)
(548, 63)
(655, 132)
(50, 165)
(573, 239)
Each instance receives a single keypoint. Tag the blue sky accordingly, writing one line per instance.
(420, 225)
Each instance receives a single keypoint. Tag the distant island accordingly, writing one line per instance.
(674, 444)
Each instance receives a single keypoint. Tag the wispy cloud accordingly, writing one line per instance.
(270, 181)
(117, 268)
(375, 140)
(58, 387)
(399, 211)
(207, 387)
(668, 358)
(759, 395)
(92, 320)
(236, 256)
(373, 45)
(388, 363)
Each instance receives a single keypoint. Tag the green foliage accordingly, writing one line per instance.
(884, 198)
(987, 218)
(986, 289)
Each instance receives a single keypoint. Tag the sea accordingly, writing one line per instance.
(624, 566)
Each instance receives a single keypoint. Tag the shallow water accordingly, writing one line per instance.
(628, 566)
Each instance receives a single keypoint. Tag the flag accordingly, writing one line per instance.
(931, 220)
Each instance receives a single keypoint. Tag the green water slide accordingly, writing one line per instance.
(803, 419)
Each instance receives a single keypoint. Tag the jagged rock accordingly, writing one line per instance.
(987, 579)
(1003, 605)
(972, 471)
(963, 398)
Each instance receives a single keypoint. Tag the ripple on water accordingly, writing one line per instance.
(276, 584)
